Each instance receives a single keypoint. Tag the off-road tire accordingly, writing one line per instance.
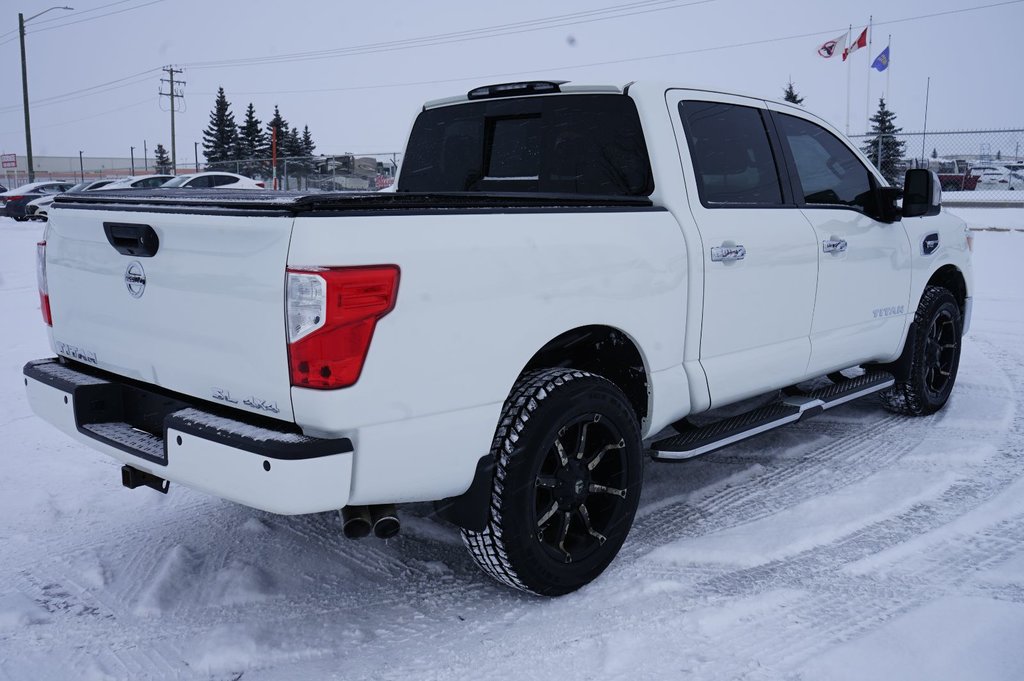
(936, 350)
(516, 548)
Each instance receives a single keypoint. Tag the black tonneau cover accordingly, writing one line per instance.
(234, 201)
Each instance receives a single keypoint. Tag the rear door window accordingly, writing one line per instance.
(200, 182)
(732, 156)
(221, 180)
(576, 144)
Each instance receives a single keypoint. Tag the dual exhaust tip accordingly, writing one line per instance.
(358, 521)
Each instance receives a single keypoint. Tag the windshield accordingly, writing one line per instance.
(177, 182)
(576, 144)
(79, 187)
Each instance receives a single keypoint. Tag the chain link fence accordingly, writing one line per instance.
(974, 166)
(322, 173)
(326, 173)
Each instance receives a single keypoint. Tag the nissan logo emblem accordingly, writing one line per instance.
(135, 279)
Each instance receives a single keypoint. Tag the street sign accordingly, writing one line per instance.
(9, 160)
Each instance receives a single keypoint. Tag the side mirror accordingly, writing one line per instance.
(888, 211)
(922, 194)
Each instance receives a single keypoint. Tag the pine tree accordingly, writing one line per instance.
(221, 135)
(999, 154)
(161, 160)
(935, 152)
(884, 131)
(308, 147)
(790, 95)
(293, 152)
(251, 144)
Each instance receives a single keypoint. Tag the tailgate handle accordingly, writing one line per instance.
(140, 241)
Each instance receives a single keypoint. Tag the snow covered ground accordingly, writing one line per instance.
(994, 219)
(857, 545)
(983, 195)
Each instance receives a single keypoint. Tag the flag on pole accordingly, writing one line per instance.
(882, 60)
(861, 41)
(831, 48)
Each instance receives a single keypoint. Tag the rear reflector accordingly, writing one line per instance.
(44, 291)
(332, 313)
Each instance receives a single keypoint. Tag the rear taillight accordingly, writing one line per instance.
(44, 291)
(261, 185)
(332, 312)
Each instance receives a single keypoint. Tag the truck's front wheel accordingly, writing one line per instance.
(567, 476)
(934, 358)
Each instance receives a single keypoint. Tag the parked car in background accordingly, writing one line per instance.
(211, 179)
(14, 201)
(139, 182)
(2, 188)
(954, 174)
(992, 177)
(39, 209)
(1016, 171)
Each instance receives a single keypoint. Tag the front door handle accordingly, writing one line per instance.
(833, 246)
(727, 253)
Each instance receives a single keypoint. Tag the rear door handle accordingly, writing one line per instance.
(727, 253)
(140, 241)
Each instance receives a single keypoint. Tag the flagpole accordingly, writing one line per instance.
(867, 94)
(849, 32)
(888, 68)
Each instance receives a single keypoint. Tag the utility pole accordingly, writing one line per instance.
(145, 158)
(172, 93)
(24, 88)
(195, 147)
(81, 168)
(133, 160)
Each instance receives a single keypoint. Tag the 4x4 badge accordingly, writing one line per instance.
(135, 279)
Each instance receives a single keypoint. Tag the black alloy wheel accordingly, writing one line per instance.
(941, 351)
(934, 349)
(568, 467)
(581, 488)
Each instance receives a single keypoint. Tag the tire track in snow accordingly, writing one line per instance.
(831, 605)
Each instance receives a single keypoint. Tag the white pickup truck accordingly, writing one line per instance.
(567, 279)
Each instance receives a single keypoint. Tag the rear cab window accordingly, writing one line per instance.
(588, 144)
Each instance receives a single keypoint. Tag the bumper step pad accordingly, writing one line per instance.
(700, 440)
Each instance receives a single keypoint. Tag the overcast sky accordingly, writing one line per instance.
(365, 102)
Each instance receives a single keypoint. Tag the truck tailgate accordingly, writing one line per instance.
(204, 315)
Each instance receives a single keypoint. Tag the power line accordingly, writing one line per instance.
(100, 16)
(610, 62)
(576, 18)
(93, 89)
(148, 100)
(96, 89)
(65, 17)
(541, 24)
